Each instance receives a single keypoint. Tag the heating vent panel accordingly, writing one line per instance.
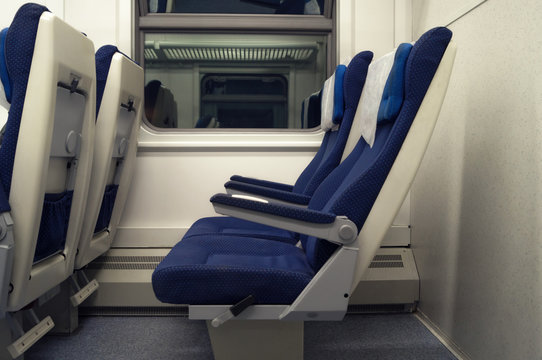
(180, 53)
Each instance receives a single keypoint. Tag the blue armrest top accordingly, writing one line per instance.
(266, 183)
(269, 192)
(292, 212)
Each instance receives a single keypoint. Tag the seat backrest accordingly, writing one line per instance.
(353, 187)
(119, 103)
(329, 155)
(46, 151)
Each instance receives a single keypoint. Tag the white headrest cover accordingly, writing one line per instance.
(4, 106)
(371, 96)
(328, 92)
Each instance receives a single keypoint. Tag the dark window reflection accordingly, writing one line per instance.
(296, 7)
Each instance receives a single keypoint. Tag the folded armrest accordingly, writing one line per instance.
(268, 193)
(269, 184)
(336, 229)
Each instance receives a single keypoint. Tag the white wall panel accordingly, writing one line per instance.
(476, 202)
(106, 22)
(428, 14)
(9, 8)
(171, 190)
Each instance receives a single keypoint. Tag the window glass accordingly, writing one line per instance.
(232, 80)
(298, 7)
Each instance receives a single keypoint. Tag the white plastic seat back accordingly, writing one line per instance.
(117, 124)
(53, 156)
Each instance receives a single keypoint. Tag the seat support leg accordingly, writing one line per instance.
(257, 339)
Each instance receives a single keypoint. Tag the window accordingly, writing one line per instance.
(248, 70)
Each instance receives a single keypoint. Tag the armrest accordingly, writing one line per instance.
(269, 193)
(269, 184)
(336, 229)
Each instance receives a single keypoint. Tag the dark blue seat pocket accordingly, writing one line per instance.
(55, 217)
(106, 209)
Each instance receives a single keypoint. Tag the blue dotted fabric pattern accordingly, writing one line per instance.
(55, 218)
(19, 49)
(265, 191)
(103, 58)
(212, 270)
(106, 209)
(228, 226)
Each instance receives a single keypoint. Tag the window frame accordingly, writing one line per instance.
(271, 24)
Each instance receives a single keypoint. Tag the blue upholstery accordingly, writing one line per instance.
(210, 270)
(288, 196)
(4, 203)
(4, 75)
(104, 55)
(218, 269)
(228, 226)
(106, 208)
(55, 217)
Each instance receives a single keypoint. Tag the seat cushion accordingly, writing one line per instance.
(229, 226)
(211, 270)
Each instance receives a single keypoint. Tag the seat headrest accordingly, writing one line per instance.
(354, 78)
(332, 95)
(394, 91)
(373, 91)
(104, 55)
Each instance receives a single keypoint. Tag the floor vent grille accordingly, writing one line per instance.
(134, 311)
(386, 265)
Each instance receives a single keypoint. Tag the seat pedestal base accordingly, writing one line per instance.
(257, 339)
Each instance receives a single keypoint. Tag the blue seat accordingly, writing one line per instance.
(326, 159)
(345, 221)
(331, 150)
(46, 153)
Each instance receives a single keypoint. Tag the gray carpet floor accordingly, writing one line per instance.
(382, 337)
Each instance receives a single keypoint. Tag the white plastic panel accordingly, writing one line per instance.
(115, 128)
(32, 156)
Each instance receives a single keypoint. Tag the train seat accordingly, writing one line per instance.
(245, 278)
(119, 99)
(337, 126)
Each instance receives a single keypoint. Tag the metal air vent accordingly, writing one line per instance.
(168, 52)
